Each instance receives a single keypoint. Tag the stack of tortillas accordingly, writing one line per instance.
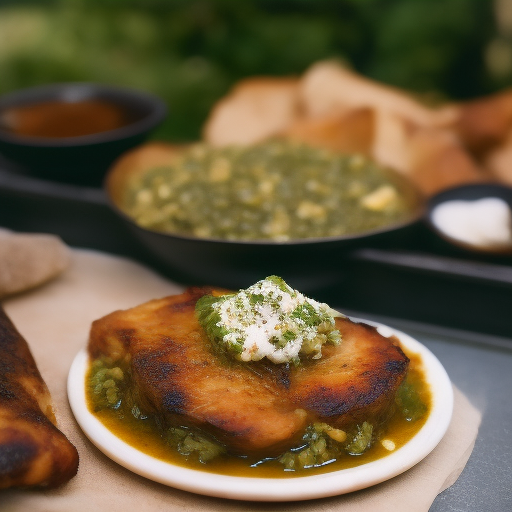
(333, 107)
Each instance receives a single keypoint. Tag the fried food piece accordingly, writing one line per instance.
(175, 374)
(347, 132)
(484, 123)
(252, 408)
(328, 87)
(254, 110)
(499, 162)
(33, 451)
(438, 161)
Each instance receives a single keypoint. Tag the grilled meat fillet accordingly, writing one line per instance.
(352, 382)
(250, 407)
(33, 451)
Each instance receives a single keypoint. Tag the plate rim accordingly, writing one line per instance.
(297, 488)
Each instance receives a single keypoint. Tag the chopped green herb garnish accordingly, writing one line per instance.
(362, 440)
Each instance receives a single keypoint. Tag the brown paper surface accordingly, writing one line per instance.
(55, 321)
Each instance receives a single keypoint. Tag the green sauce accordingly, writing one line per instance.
(322, 449)
(276, 191)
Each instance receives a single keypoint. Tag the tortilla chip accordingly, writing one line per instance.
(254, 110)
(499, 162)
(438, 161)
(484, 124)
(350, 132)
(328, 87)
(391, 143)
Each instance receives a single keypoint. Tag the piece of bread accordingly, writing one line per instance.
(485, 123)
(391, 144)
(438, 161)
(33, 451)
(253, 110)
(29, 259)
(499, 162)
(432, 157)
(346, 132)
(329, 87)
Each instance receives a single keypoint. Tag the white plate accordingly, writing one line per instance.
(282, 489)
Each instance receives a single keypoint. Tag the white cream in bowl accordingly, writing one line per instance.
(483, 222)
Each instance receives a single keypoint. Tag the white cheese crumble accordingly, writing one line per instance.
(270, 319)
(484, 222)
(388, 444)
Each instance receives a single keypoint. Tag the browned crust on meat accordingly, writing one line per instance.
(33, 451)
(254, 407)
(354, 381)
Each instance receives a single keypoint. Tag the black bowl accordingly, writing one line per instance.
(470, 192)
(306, 264)
(81, 159)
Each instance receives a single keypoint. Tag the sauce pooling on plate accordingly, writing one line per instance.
(188, 448)
(60, 119)
(264, 381)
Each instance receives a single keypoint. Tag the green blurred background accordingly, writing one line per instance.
(189, 52)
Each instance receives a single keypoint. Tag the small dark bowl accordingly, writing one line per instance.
(307, 264)
(83, 159)
(471, 192)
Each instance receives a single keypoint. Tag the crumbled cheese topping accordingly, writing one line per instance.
(388, 444)
(270, 319)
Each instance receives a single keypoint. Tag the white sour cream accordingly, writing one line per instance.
(484, 222)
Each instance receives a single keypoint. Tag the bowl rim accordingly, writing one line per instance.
(271, 243)
(157, 111)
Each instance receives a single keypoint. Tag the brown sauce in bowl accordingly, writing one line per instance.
(59, 119)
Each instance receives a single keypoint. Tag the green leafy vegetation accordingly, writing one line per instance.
(323, 444)
(210, 320)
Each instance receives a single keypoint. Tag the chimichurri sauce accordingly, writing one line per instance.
(275, 190)
(323, 449)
